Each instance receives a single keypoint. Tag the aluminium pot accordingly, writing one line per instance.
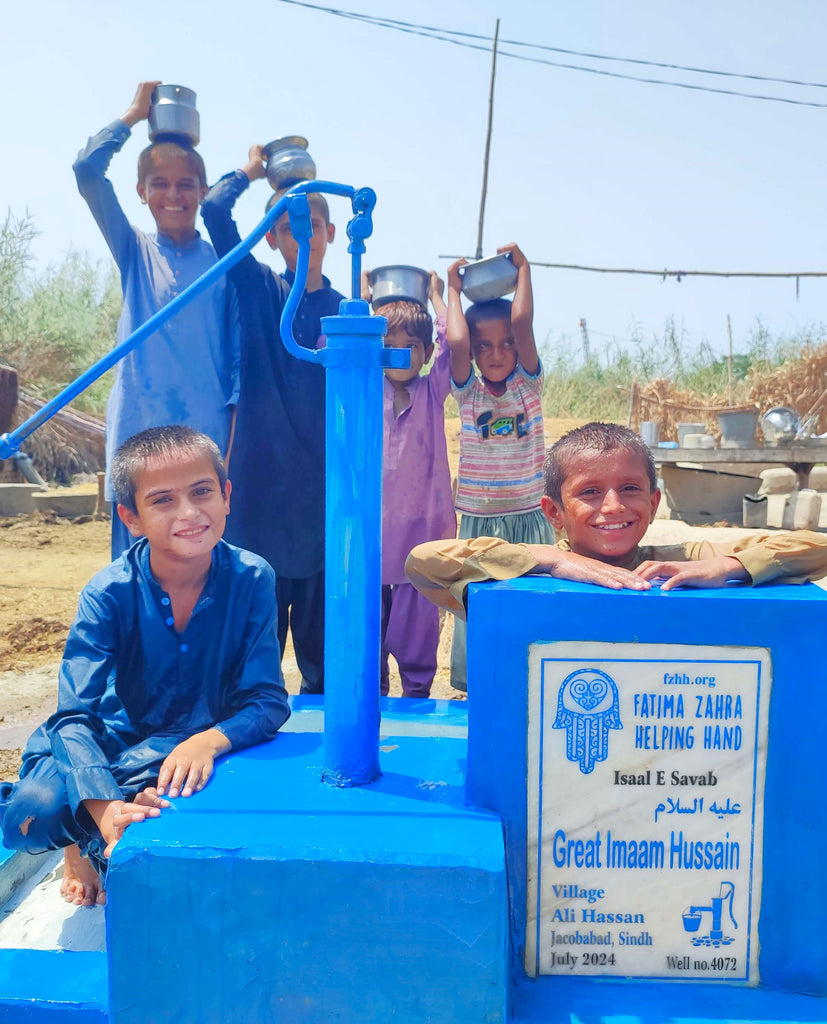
(173, 116)
(287, 161)
(780, 426)
(490, 278)
(398, 282)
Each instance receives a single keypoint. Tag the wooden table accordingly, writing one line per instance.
(799, 457)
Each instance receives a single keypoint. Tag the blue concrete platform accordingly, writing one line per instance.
(50, 987)
(790, 622)
(587, 1001)
(273, 897)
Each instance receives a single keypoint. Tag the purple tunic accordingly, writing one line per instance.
(417, 501)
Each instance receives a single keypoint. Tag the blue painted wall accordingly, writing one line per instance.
(50, 987)
(504, 618)
(274, 897)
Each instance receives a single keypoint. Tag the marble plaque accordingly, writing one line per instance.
(645, 799)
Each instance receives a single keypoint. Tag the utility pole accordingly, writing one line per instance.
(584, 334)
(488, 141)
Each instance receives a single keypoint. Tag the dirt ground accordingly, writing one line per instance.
(46, 560)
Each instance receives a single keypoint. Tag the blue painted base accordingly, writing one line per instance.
(271, 896)
(572, 1000)
(69, 987)
(789, 621)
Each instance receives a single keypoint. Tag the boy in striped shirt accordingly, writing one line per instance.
(502, 444)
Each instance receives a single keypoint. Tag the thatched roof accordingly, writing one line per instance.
(70, 442)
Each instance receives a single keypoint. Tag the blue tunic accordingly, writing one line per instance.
(186, 372)
(277, 465)
(129, 681)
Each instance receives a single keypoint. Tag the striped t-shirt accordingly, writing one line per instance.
(502, 445)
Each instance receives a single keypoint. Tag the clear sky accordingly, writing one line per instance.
(584, 169)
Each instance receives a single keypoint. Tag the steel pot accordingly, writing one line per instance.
(398, 282)
(288, 161)
(173, 115)
(779, 425)
(490, 278)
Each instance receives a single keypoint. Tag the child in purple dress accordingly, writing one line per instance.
(417, 502)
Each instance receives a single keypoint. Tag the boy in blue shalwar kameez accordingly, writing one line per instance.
(279, 436)
(171, 661)
(187, 371)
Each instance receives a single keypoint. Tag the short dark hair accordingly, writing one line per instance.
(594, 437)
(163, 443)
(411, 318)
(479, 312)
(168, 151)
(314, 198)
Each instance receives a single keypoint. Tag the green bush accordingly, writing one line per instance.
(56, 323)
(598, 387)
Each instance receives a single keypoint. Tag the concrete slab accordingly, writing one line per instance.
(17, 499)
(272, 896)
(778, 480)
(818, 478)
(68, 505)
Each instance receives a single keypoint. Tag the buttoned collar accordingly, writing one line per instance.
(290, 276)
(165, 242)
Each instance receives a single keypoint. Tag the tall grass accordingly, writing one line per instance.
(598, 385)
(55, 323)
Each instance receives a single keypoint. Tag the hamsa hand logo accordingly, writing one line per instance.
(587, 708)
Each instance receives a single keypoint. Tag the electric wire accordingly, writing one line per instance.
(795, 274)
(457, 38)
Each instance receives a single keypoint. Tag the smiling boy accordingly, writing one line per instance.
(171, 661)
(187, 371)
(601, 494)
(279, 451)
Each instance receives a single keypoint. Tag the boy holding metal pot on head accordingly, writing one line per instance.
(417, 502)
(278, 454)
(186, 372)
(502, 442)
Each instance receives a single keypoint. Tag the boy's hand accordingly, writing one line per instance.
(454, 279)
(436, 291)
(707, 572)
(516, 254)
(566, 565)
(113, 817)
(254, 168)
(365, 285)
(138, 109)
(188, 767)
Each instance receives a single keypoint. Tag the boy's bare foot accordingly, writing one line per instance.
(81, 885)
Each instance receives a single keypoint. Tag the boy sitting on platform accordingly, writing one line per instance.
(171, 661)
(601, 492)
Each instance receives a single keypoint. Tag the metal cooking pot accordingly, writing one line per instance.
(398, 282)
(490, 278)
(780, 425)
(173, 116)
(288, 161)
